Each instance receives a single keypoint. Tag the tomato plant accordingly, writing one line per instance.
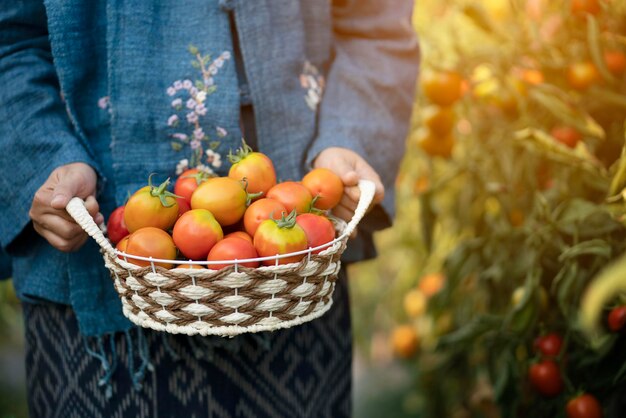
(325, 186)
(232, 248)
(151, 242)
(615, 61)
(584, 406)
(549, 345)
(280, 237)
(318, 229)
(582, 75)
(546, 378)
(116, 228)
(256, 168)
(188, 182)
(617, 318)
(261, 210)
(566, 135)
(292, 195)
(224, 197)
(443, 88)
(583, 7)
(196, 232)
(151, 206)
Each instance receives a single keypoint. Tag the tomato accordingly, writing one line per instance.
(533, 77)
(439, 120)
(617, 318)
(582, 75)
(582, 7)
(280, 237)
(584, 406)
(183, 206)
(196, 232)
(292, 195)
(404, 341)
(431, 284)
(435, 146)
(442, 88)
(151, 242)
(260, 211)
(255, 167)
(232, 249)
(151, 206)
(549, 345)
(190, 266)
(546, 378)
(116, 228)
(615, 62)
(325, 186)
(318, 229)
(188, 182)
(121, 246)
(224, 197)
(415, 303)
(566, 135)
(240, 235)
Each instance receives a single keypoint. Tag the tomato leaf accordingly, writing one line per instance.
(595, 247)
(593, 39)
(471, 331)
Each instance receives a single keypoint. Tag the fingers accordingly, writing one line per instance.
(365, 171)
(63, 238)
(93, 208)
(69, 182)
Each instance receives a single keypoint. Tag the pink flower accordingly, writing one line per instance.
(193, 91)
(194, 144)
(213, 158)
(187, 84)
(201, 109)
(172, 120)
(182, 137)
(178, 84)
(208, 81)
(226, 55)
(177, 102)
(192, 117)
(171, 91)
(198, 133)
(221, 132)
(191, 103)
(103, 102)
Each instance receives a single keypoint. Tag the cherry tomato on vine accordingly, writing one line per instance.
(280, 237)
(443, 88)
(188, 182)
(617, 318)
(583, 7)
(584, 406)
(260, 211)
(615, 61)
(292, 195)
(439, 120)
(325, 186)
(549, 345)
(196, 232)
(404, 341)
(255, 167)
(582, 75)
(224, 197)
(116, 228)
(318, 229)
(435, 146)
(546, 378)
(151, 242)
(566, 135)
(232, 248)
(151, 206)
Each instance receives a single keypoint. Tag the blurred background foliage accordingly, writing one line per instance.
(499, 292)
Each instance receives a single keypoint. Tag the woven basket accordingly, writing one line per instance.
(230, 301)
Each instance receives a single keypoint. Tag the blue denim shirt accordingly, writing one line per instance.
(133, 88)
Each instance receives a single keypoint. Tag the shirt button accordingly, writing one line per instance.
(227, 5)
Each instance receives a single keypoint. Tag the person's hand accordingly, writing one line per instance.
(350, 167)
(48, 213)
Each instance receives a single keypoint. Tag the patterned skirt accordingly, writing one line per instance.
(299, 372)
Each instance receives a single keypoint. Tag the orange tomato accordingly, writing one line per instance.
(439, 120)
(615, 62)
(280, 237)
(151, 242)
(582, 75)
(240, 235)
(151, 206)
(190, 266)
(260, 211)
(318, 229)
(121, 246)
(443, 88)
(431, 284)
(292, 195)
(435, 146)
(324, 185)
(196, 232)
(188, 182)
(224, 197)
(583, 7)
(566, 135)
(404, 341)
(255, 167)
(232, 249)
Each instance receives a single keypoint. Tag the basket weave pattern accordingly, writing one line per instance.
(230, 301)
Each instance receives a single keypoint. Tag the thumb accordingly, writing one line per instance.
(70, 185)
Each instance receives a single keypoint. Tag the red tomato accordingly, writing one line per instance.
(584, 406)
(121, 246)
(240, 235)
(232, 249)
(260, 211)
(116, 228)
(582, 75)
(183, 206)
(326, 186)
(617, 318)
(615, 62)
(151, 242)
(566, 135)
(318, 229)
(280, 237)
(190, 266)
(196, 232)
(151, 206)
(292, 195)
(549, 345)
(442, 88)
(255, 167)
(582, 7)
(188, 182)
(224, 197)
(546, 378)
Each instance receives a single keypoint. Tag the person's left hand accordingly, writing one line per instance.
(350, 167)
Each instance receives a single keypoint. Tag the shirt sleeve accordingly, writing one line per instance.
(36, 135)
(370, 85)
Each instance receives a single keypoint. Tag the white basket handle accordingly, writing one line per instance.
(368, 189)
(77, 210)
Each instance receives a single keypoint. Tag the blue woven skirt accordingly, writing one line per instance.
(304, 371)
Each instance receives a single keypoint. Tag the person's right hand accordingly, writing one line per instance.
(48, 213)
